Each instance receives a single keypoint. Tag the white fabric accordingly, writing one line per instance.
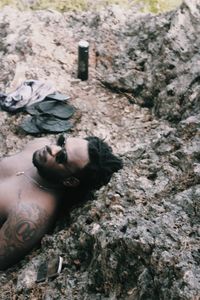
(29, 92)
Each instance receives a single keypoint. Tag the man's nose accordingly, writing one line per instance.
(54, 149)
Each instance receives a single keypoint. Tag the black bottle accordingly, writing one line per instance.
(83, 57)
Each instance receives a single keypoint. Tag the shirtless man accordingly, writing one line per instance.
(34, 183)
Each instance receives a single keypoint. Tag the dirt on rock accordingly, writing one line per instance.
(139, 237)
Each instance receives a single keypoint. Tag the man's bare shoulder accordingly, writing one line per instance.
(22, 159)
(25, 226)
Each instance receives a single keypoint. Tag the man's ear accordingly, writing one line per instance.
(71, 182)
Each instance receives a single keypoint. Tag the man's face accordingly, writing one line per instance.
(63, 159)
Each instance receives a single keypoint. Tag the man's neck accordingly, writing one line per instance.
(33, 176)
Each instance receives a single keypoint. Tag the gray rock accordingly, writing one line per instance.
(139, 237)
(156, 58)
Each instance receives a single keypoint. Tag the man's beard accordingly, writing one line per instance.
(50, 176)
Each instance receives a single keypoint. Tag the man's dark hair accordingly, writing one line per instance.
(102, 164)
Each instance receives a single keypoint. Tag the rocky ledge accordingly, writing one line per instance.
(139, 238)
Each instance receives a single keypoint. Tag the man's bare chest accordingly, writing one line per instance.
(19, 189)
(10, 190)
(15, 189)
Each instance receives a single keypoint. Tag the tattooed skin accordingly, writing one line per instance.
(22, 230)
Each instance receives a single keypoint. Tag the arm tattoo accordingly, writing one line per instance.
(24, 227)
(25, 231)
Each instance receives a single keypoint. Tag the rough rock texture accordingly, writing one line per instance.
(158, 61)
(140, 237)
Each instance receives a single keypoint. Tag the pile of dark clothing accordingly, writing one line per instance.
(47, 108)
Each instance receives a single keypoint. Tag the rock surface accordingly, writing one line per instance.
(158, 61)
(140, 237)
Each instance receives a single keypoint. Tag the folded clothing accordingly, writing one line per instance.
(47, 107)
(28, 93)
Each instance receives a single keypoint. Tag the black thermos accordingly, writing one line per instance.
(83, 56)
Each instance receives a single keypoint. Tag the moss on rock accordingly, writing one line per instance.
(154, 6)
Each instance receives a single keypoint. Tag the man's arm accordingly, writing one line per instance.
(23, 229)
